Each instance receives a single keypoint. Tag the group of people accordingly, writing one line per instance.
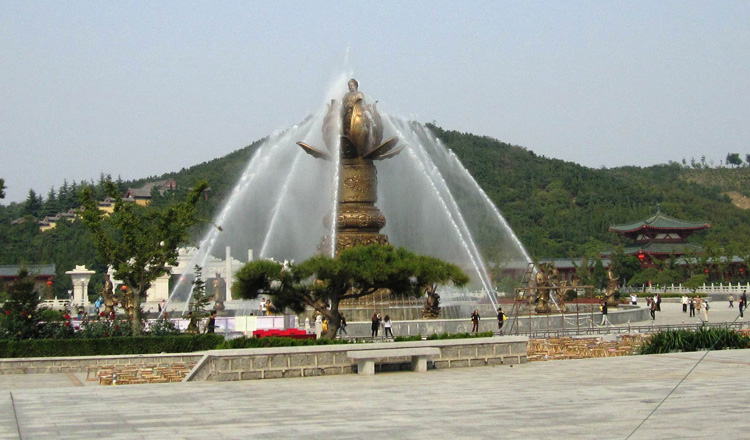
(266, 307)
(695, 304)
(386, 323)
(475, 318)
(742, 304)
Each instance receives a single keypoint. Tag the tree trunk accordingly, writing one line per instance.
(334, 320)
(136, 320)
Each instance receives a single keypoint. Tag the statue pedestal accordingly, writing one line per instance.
(80, 276)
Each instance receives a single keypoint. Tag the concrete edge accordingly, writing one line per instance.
(108, 356)
(310, 349)
(198, 366)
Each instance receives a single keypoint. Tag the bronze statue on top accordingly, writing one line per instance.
(220, 293)
(612, 285)
(357, 128)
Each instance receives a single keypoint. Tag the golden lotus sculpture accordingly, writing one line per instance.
(356, 129)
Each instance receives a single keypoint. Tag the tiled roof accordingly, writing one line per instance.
(34, 269)
(659, 221)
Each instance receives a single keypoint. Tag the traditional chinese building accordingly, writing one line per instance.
(658, 237)
(43, 275)
(142, 196)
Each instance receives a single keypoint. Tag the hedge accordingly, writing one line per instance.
(276, 341)
(108, 346)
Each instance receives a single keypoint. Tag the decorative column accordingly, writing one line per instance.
(159, 289)
(80, 276)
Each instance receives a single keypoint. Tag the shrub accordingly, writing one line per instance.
(693, 340)
(162, 327)
(438, 336)
(407, 338)
(275, 341)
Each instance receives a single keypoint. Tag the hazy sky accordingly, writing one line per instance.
(141, 88)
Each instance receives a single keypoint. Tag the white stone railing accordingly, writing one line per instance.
(704, 289)
(56, 304)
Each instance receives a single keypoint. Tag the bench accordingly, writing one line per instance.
(366, 358)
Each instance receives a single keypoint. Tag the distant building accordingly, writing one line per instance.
(51, 221)
(107, 205)
(659, 237)
(42, 273)
(142, 195)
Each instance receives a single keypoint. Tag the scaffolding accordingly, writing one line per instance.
(525, 295)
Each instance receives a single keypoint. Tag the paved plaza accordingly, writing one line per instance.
(719, 311)
(605, 398)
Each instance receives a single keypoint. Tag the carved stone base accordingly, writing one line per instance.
(346, 240)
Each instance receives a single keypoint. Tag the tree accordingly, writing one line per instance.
(624, 266)
(33, 204)
(139, 242)
(694, 282)
(323, 282)
(734, 159)
(51, 205)
(199, 300)
(20, 314)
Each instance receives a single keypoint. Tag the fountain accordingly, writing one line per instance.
(284, 204)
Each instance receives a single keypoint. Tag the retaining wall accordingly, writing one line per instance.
(269, 363)
(81, 364)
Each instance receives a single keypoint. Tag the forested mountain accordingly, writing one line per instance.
(557, 208)
(561, 208)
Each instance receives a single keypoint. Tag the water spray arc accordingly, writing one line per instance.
(288, 207)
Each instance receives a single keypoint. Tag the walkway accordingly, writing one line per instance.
(576, 399)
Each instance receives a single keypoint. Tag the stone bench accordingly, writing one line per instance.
(366, 358)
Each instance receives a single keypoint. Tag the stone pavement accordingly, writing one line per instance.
(603, 398)
(671, 313)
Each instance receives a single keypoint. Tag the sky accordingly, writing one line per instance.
(136, 89)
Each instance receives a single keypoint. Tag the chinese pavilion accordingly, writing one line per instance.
(658, 237)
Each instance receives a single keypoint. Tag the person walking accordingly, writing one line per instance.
(634, 299)
(388, 326)
(692, 307)
(475, 321)
(698, 306)
(658, 302)
(500, 319)
(605, 318)
(684, 303)
(743, 303)
(705, 310)
(731, 301)
(211, 324)
(342, 326)
(653, 310)
(375, 325)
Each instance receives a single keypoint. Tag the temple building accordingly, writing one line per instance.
(142, 195)
(658, 237)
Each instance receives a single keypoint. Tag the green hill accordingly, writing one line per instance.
(557, 208)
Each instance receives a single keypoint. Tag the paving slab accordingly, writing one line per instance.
(604, 398)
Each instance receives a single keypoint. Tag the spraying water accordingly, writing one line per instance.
(432, 204)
